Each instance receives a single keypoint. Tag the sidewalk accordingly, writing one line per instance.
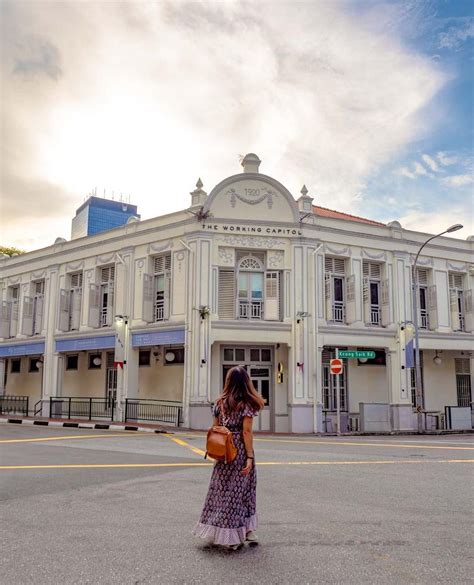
(155, 428)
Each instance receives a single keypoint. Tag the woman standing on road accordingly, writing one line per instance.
(229, 515)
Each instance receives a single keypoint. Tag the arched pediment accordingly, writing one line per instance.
(252, 196)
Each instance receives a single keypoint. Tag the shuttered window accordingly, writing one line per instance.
(334, 265)
(422, 277)
(162, 264)
(107, 274)
(371, 270)
(76, 280)
(227, 299)
(456, 280)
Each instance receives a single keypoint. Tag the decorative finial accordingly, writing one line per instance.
(304, 191)
(199, 183)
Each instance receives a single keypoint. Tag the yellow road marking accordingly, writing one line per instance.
(187, 445)
(357, 444)
(123, 434)
(195, 464)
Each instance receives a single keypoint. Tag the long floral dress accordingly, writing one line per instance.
(230, 508)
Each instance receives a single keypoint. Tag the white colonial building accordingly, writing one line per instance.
(245, 275)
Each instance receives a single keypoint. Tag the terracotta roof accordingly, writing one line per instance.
(324, 212)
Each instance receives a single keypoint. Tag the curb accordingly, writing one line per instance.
(85, 425)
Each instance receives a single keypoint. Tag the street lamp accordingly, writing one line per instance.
(418, 392)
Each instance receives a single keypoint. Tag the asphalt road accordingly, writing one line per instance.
(87, 506)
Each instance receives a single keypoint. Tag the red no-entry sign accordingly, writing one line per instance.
(335, 366)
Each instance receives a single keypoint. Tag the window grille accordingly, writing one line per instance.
(162, 263)
(76, 280)
(371, 270)
(461, 366)
(422, 276)
(335, 265)
(107, 274)
(250, 263)
(259, 256)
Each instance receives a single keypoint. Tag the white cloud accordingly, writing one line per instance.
(457, 34)
(430, 162)
(419, 169)
(458, 180)
(153, 95)
(446, 160)
(405, 172)
(434, 222)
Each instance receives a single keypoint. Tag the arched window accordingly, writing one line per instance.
(251, 283)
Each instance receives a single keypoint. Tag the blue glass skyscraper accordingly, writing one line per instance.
(99, 215)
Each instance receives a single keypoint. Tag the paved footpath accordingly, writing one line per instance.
(89, 506)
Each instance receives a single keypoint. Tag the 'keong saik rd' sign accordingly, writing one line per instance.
(252, 229)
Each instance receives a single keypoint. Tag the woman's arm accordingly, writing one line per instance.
(247, 435)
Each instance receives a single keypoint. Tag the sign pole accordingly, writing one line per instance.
(338, 398)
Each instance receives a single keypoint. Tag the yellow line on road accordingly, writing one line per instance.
(195, 464)
(187, 445)
(358, 444)
(67, 437)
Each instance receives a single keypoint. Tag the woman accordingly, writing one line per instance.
(229, 516)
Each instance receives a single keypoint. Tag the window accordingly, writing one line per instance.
(75, 302)
(371, 292)
(463, 381)
(144, 357)
(72, 362)
(251, 279)
(38, 302)
(174, 355)
(234, 354)
(107, 288)
(15, 366)
(456, 300)
(422, 280)
(330, 384)
(94, 361)
(33, 364)
(334, 281)
(162, 281)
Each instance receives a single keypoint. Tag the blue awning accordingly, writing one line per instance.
(174, 337)
(21, 349)
(85, 343)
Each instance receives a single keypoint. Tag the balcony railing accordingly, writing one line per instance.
(159, 310)
(103, 317)
(252, 310)
(374, 315)
(424, 323)
(338, 312)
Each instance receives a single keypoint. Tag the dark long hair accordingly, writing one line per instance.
(239, 392)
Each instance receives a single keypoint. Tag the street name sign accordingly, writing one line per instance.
(357, 354)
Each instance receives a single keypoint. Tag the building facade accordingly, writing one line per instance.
(245, 275)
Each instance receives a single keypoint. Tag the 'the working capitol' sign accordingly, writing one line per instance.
(252, 229)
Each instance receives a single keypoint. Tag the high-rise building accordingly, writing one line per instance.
(99, 215)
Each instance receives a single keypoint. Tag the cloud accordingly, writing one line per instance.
(457, 34)
(458, 180)
(446, 160)
(430, 162)
(433, 222)
(405, 172)
(149, 96)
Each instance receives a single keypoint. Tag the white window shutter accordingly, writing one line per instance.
(27, 321)
(432, 307)
(366, 299)
(38, 314)
(5, 319)
(94, 304)
(14, 314)
(350, 299)
(226, 294)
(272, 297)
(167, 294)
(468, 311)
(147, 301)
(385, 303)
(328, 295)
(110, 303)
(76, 308)
(454, 308)
(63, 316)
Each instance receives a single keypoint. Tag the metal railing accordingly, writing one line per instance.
(14, 405)
(424, 319)
(159, 310)
(149, 409)
(38, 407)
(77, 407)
(253, 310)
(338, 312)
(374, 315)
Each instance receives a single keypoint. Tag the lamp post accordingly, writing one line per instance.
(418, 391)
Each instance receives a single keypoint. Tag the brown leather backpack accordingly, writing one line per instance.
(220, 444)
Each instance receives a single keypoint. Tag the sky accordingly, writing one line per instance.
(367, 102)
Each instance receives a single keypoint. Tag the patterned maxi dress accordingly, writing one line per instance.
(230, 508)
